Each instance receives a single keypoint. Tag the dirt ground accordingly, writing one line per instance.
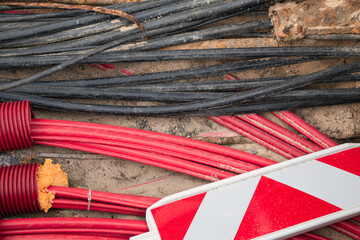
(85, 170)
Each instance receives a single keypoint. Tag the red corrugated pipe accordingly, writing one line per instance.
(200, 159)
(18, 189)
(19, 195)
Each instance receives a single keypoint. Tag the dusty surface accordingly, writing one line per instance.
(116, 175)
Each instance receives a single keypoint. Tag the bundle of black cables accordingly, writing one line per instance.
(66, 40)
(203, 98)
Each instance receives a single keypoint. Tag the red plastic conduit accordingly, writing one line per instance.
(186, 167)
(18, 189)
(79, 231)
(280, 132)
(41, 132)
(72, 222)
(302, 237)
(306, 129)
(104, 197)
(258, 136)
(225, 151)
(95, 206)
(348, 228)
(59, 236)
(15, 118)
(19, 195)
(343, 231)
(134, 146)
(315, 236)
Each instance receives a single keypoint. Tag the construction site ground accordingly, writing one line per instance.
(103, 173)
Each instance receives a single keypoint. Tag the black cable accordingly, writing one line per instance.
(88, 93)
(192, 15)
(167, 41)
(53, 104)
(145, 9)
(147, 13)
(269, 107)
(233, 85)
(205, 34)
(91, 93)
(236, 53)
(88, 54)
(191, 108)
(168, 76)
(79, 21)
(65, 35)
(39, 16)
(194, 54)
(7, 8)
(97, 39)
(19, 26)
(221, 31)
(216, 18)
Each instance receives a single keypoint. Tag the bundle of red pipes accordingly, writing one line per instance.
(84, 199)
(196, 158)
(70, 228)
(19, 195)
(19, 129)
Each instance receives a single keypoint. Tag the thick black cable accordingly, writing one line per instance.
(27, 17)
(186, 17)
(61, 105)
(154, 24)
(97, 39)
(194, 54)
(34, 45)
(7, 8)
(79, 21)
(233, 85)
(265, 91)
(24, 25)
(270, 106)
(191, 108)
(236, 53)
(205, 34)
(168, 76)
(205, 86)
(91, 53)
(93, 93)
(145, 11)
(214, 18)
(166, 7)
(192, 15)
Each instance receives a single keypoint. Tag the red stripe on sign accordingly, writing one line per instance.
(276, 206)
(347, 160)
(174, 219)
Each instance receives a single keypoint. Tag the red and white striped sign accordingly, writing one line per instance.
(275, 202)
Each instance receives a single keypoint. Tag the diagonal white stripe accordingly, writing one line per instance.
(222, 211)
(323, 181)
